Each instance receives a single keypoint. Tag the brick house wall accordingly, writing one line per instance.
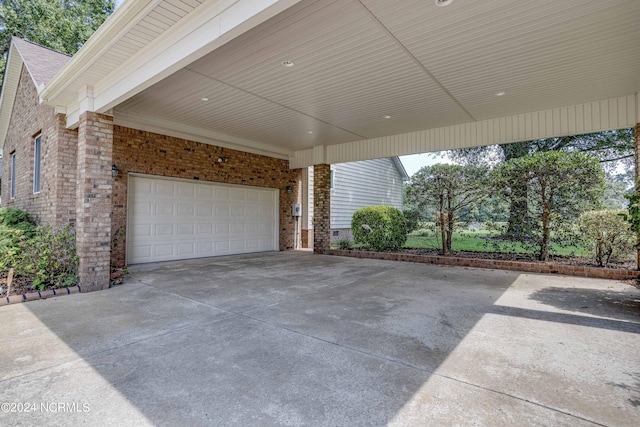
(136, 151)
(133, 151)
(55, 203)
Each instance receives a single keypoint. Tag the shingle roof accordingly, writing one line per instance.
(43, 63)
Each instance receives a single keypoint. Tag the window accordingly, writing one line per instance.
(37, 146)
(12, 177)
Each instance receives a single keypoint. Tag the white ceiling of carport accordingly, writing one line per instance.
(424, 65)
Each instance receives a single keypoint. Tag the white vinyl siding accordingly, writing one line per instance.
(37, 149)
(307, 198)
(360, 184)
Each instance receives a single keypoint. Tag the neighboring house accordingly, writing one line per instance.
(181, 129)
(354, 185)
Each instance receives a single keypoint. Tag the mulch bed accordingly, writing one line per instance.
(23, 285)
(19, 286)
(554, 259)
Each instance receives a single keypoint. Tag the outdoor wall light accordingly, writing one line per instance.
(114, 170)
(222, 160)
(289, 189)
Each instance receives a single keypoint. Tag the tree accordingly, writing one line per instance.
(614, 195)
(610, 147)
(62, 25)
(449, 189)
(607, 234)
(559, 186)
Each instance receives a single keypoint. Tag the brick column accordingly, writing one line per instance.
(93, 200)
(321, 208)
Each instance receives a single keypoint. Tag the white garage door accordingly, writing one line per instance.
(171, 219)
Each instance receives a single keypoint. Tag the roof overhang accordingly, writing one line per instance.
(372, 78)
(9, 90)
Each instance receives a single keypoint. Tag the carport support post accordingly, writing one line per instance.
(93, 200)
(321, 208)
(636, 158)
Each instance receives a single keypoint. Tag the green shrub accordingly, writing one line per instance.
(344, 244)
(10, 217)
(16, 226)
(606, 234)
(381, 228)
(49, 258)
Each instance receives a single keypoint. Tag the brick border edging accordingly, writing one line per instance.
(39, 295)
(529, 267)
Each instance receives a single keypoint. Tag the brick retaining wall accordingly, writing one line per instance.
(530, 267)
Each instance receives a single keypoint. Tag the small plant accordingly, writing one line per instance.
(606, 234)
(50, 257)
(16, 226)
(344, 244)
(382, 228)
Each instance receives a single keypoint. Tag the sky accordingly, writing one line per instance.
(414, 162)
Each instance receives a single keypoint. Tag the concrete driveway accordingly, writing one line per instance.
(299, 339)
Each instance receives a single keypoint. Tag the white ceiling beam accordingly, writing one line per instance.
(191, 133)
(206, 28)
(615, 113)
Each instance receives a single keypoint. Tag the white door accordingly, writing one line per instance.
(171, 219)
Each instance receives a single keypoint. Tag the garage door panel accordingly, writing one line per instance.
(164, 250)
(204, 248)
(165, 188)
(187, 191)
(163, 230)
(222, 228)
(164, 209)
(236, 245)
(185, 230)
(143, 230)
(186, 209)
(205, 192)
(185, 249)
(221, 193)
(222, 211)
(237, 194)
(179, 220)
(205, 229)
(204, 211)
(236, 211)
(142, 208)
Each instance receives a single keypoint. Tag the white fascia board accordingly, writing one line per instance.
(191, 133)
(598, 116)
(115, 26)
(206, 28)
(9, 90)
(400, 167)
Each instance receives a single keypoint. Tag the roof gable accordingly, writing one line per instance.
(41, 62)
